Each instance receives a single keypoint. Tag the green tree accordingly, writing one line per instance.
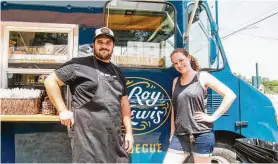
(271, 86)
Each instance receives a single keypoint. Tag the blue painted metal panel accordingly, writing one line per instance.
(227, 122)
(60, 6)
(181, 20)
(258, 110)
(151, 133)
(7, 143)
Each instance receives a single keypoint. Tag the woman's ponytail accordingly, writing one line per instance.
(194, 63)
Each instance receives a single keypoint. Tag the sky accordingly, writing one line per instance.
(258, 43)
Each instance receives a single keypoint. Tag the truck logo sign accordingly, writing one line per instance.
(150, 104)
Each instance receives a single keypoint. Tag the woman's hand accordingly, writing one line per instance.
(203, 117)
(171, 136)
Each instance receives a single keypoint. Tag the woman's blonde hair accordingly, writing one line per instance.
(194, 64)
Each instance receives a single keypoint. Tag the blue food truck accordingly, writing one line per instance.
(38, 36)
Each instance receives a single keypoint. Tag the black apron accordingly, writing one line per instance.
(96, 134)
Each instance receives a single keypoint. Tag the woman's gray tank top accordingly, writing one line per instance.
(188, 99)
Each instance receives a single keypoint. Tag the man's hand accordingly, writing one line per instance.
(52, 85)
(126, 114)
(128, 142)
(66, 118)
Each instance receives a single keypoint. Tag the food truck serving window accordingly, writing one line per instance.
(43, 50)
(35, 48)
(144, 31)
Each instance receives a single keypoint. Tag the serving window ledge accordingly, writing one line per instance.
(29, 118)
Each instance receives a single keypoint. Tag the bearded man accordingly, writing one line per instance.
(99, 101)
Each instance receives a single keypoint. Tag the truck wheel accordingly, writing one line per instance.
(223, 153)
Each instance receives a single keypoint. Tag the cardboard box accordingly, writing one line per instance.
(139, 61)
(117, 51)
(124, 51)
(151, 49)
(135, 48)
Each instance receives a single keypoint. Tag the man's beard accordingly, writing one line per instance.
(103, 55)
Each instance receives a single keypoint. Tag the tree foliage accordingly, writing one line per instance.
(271, 86)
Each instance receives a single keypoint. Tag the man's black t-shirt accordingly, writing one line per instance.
(81, 75)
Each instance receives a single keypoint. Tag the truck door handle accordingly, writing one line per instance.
(241, 123)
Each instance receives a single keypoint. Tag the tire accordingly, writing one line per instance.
(223, 153)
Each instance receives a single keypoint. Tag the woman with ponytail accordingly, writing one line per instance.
(191, 126)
